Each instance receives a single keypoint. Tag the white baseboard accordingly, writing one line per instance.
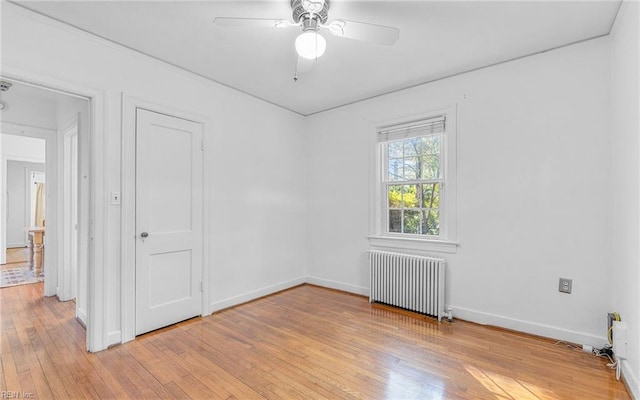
(16, 245)
(345, 287)
(114, 338)
(631, 380)
(246, 297)
(533, 328)
(82, 316)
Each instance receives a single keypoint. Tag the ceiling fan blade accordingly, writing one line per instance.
(364, 32)
(233, 22)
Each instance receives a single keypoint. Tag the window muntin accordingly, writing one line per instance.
(413, 179)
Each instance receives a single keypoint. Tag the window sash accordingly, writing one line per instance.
(387, 208)
(385, 159)
(413, 129)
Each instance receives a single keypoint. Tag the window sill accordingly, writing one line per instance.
(403, 243)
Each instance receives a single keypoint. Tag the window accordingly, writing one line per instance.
(412, 180)
(416, 182)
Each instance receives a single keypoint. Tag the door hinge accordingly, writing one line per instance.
(202, 145)
(201, 286)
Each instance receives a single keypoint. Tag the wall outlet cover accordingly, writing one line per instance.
(115, 198)
(620, 331)
(564, 285)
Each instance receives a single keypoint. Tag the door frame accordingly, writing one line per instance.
(130, 105)
(93, 229)
(67, 288)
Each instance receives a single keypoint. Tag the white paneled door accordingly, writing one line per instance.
(168, 220)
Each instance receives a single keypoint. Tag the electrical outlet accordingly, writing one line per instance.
(564, 286)
(610, 318)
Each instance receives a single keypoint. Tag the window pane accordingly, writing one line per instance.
(395, 149)
(395, 222)
(412, 221)
(431, 144)
(412, 168)
(431, 222)
(431, 195)
(394, 194)
(411, 196)
(395, 169)
(430, 166)
(413, 146)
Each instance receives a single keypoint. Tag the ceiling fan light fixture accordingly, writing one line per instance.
(310, 45)
(313, 6)
(4, 86)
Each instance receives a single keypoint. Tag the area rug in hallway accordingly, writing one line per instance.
(18, 276)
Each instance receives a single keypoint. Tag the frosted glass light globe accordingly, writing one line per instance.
(310, 45)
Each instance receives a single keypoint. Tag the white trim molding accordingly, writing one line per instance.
(403, 243)
(256, 294)
(345, 287)
(548, 331)
(113, 338)
(629, 379)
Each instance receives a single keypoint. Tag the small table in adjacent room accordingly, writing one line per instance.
(36, 250)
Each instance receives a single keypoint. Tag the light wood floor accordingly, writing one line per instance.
(16, 258)
(304, 343)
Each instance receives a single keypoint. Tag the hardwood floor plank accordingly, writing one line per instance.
(58, 370)
(110, 361)
(215, 377)
(303, 343)
(9, 372)
(175, 391)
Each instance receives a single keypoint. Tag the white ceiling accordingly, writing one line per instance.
(437, 39)
(33, 106)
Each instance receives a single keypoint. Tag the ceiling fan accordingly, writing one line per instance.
(311, 16)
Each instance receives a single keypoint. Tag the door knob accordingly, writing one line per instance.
(144, 234)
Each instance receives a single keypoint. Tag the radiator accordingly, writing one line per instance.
(411, 282)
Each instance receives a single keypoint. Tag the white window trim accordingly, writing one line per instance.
(378, 237)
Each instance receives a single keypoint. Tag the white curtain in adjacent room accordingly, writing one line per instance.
(39, 205)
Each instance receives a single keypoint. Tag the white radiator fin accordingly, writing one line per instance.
(407, 281)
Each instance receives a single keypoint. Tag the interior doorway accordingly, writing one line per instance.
(52, 227)
(23, 189)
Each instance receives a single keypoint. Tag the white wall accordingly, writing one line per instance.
(23, 148)
(19, 201)
(533, 191)
(625, 131)
(258, 208)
